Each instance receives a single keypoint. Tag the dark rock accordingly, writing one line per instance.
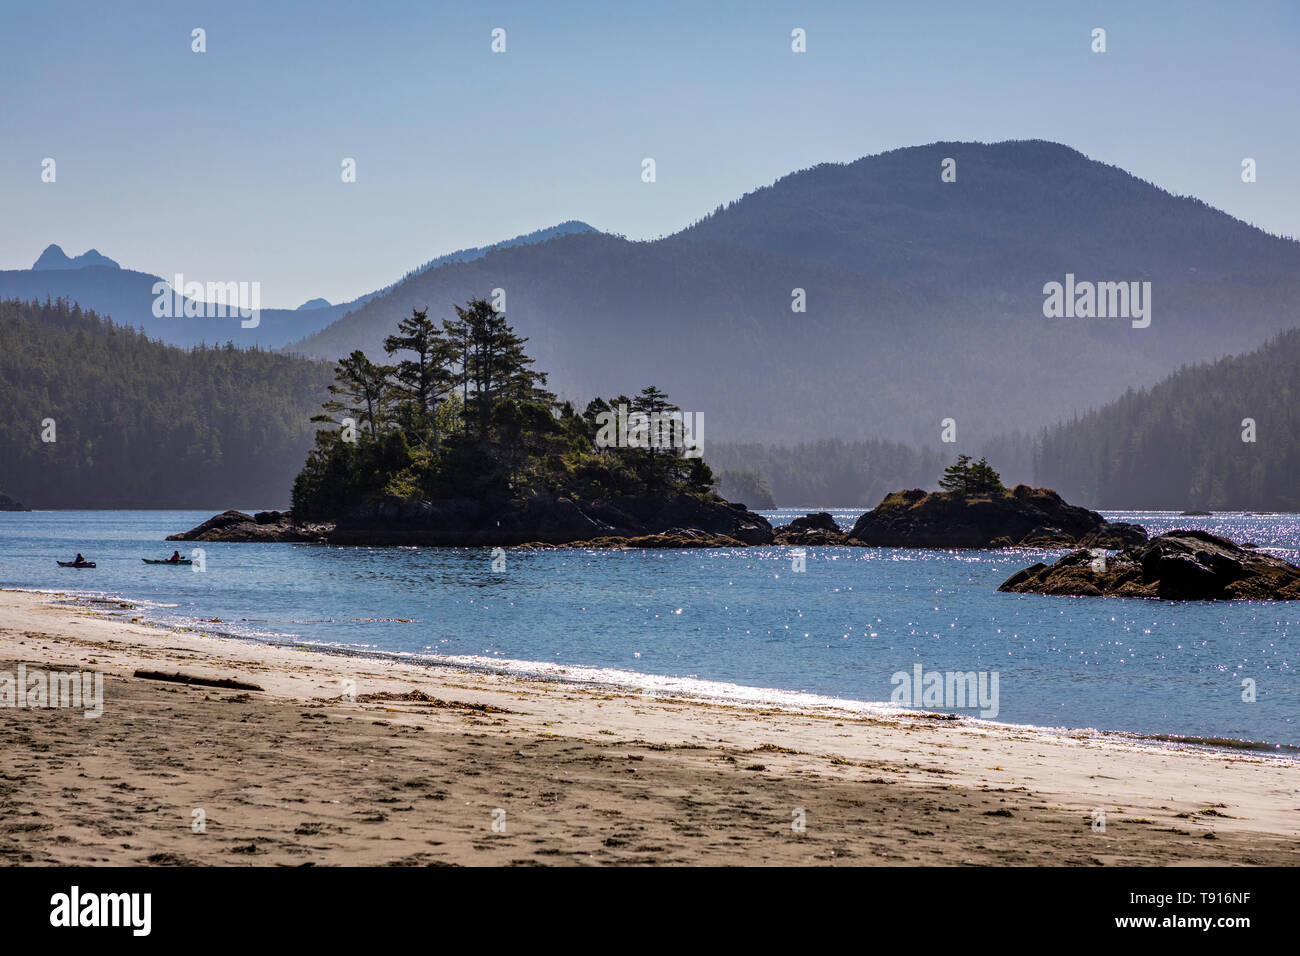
(1183, 565)
(9, 504)
(238, 526)
(1021, 517)
(1047, 538)
(820, 521)
(1115, 535)
(812, 529)
(681, 520)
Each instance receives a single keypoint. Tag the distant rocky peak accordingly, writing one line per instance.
(55, 258)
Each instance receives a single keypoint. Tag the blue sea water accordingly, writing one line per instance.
(734, 623)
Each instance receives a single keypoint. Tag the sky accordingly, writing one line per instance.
(226, 165)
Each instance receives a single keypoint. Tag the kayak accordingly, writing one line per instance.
(74, 564)
(164, 561)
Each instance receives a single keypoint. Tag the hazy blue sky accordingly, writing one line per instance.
(225, 165)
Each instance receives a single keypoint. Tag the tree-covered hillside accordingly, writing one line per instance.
(1180, 444)
(830, 473)
(1021, 211)
(139, 424)
(921, 300)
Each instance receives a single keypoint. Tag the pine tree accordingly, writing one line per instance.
(362, 391)
(427, 378)
(964, 477)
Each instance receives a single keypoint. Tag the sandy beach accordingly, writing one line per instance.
(342, 760)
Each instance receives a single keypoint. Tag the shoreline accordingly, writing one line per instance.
(416, 766)
(662, 686)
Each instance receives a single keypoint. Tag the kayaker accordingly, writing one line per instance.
(78, 559)
(175, 558)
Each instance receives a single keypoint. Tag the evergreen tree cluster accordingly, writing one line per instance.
(1185, 443)
(140, 424)
(970, 479)
(456, 410)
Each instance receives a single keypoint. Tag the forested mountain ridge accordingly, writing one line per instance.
(1181, 444)
(139, 424)
(924, 299)
(1019, 209)
(1178, 445)
(126, 296)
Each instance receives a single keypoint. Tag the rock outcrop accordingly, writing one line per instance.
(680, 521)
(549, 519)
(812, 529)
(1179, 565)
(1021, 517)
(265, 526)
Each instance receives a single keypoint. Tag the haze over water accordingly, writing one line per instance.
(696, 621)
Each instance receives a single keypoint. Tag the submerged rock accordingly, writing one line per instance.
(1021, 517)
(1183, 565)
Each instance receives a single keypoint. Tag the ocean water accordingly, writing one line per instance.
(739, 624)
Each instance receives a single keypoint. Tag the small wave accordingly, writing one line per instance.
(89, 598)
(1215, 743)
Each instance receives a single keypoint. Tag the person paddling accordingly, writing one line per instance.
(78, 559)
(175, 558)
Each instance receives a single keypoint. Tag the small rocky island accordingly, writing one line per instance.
(684, 521)
(460, 444)
(1179, 565)
(265, 526)
(691, 518)
(974, 510)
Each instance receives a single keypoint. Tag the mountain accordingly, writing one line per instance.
(127, 296)
(1180, 444)
(925, 299)
(55, 258)
(139, 424)
(1020, 213)
(570, 227)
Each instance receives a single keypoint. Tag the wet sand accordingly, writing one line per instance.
(343, 760)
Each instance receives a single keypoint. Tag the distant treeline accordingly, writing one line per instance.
(1180, 444)
(830, 473)
(139, 424)
(1176, 446)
